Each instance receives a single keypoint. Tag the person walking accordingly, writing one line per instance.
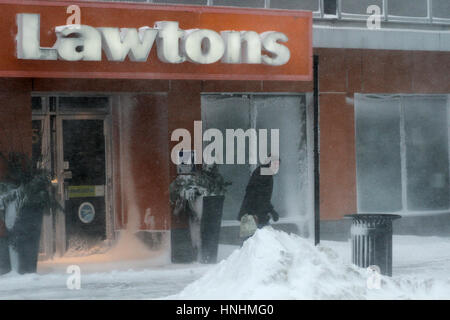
(257, 209)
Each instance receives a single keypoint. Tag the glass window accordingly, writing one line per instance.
(36, 103)
(127, 0)
(84, 151)
(378, 154)
(402, 155)
(187, 2)
(329, 6)
(223, 113)
(36, 140)
(359, 6)
(427, 163)
(240, 3)
(285, 113)
(441, 9)
(288, 115)
(52, 104)
(312, 5)
(409, 8)
(83, 104)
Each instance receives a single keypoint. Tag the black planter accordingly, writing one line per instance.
(182, 251)
(210, 227)
(24, 239)
(5, 265)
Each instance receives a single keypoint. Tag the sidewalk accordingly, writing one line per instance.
(426, 259)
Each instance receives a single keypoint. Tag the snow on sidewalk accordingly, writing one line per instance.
(412, 255)
(116, 285)
(270, 265)
(275, 265)
(128, 270)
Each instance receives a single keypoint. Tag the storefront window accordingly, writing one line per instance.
(427, 163)
(286, 113)
(225, 112)
(378, 154)
(402, 153)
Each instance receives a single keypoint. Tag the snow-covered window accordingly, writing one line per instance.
(284, 112)
(402, 153)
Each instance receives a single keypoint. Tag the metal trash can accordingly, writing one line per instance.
(372, 240)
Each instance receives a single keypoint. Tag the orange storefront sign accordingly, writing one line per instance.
(143, 41)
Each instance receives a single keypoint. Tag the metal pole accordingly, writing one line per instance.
(316, 152)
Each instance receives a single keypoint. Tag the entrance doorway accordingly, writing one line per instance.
(71, 140)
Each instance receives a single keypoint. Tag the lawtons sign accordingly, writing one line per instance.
(203, 46)
(146, 41)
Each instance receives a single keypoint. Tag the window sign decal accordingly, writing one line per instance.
(86, 212)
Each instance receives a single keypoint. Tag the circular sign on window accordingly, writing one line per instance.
(86, 212)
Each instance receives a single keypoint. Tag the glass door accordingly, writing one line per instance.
(71, 140)
(84, 181)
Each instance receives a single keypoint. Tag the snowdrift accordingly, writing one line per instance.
(275, 265)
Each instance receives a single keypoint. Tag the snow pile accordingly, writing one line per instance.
(275, 265)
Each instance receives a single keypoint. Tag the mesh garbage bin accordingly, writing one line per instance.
(372, 240)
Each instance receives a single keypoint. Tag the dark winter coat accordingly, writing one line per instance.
(257, 199)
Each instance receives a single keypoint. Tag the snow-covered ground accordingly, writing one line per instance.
(275, 265)
(271, 265)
